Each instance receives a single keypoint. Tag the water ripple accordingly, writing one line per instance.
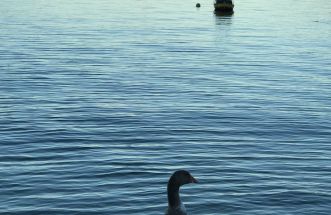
(100, 102)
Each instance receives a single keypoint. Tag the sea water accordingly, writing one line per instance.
(100, 101)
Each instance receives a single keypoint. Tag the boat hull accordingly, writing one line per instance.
(223, 7)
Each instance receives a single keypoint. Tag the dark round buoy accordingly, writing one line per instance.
(198, 5)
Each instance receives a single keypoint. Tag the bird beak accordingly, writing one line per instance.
(193, 180)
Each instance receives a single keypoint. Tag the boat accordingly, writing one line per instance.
(223, 6)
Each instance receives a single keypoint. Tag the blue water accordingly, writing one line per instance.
(100, 101)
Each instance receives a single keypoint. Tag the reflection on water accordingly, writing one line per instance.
(223, 18)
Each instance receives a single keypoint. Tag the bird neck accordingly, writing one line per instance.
(173, 195)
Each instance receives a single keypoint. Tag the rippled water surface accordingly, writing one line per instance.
(100, 101)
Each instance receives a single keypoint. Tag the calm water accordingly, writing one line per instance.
(100, 101)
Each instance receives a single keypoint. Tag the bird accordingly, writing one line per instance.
(177, 179)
